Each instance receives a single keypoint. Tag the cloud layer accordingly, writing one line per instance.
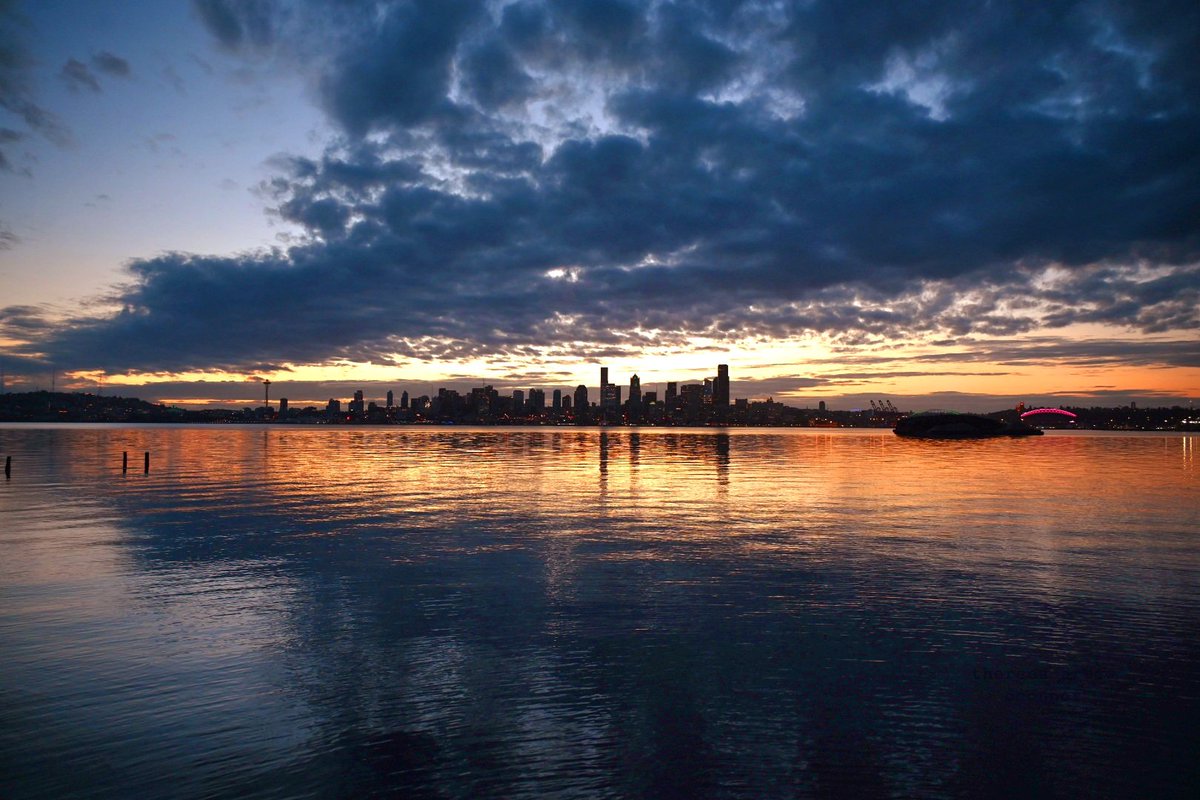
(18, 102)
(581, 175)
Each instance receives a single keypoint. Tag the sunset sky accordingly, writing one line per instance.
(944, 203)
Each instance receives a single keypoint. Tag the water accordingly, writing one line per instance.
(448, 612)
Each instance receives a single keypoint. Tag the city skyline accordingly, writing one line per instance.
(947, 208)
(249, 393)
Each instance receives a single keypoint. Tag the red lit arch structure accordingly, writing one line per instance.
(1058, 411)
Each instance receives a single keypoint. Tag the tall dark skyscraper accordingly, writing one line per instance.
(635, 397)
(581, 400)
(557, 402)
(721, 386)
(404, 399)
(610, 395)
(672, 394)
(390, 398)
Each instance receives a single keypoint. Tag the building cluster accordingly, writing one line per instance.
(697, 403)
(701, 403)
(705, 402)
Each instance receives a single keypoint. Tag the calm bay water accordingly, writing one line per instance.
(449, 612)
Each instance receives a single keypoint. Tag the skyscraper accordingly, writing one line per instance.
(635, 397)
(692, 396)
(557, 402)
(390, 397)
(581, 401)
(404, 399)
(609, 394)
(721, 386)
(481, 400)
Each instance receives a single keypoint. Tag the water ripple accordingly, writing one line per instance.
(275, 612)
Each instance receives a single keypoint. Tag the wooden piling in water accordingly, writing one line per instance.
(8, 466)
(146, 468)
(124, 461)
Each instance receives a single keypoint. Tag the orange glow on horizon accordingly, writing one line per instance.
(818, 366)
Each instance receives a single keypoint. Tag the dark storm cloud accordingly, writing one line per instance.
(28, 323)
(569, 173)
(398, 73)
(1176, 352)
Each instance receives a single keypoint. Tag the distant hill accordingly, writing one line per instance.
(81, 407)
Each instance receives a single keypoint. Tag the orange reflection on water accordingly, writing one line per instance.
(753, 488)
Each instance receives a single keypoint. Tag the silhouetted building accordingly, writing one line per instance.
(357, 405)
(448, 404)
(581, 402)
(334, 406)
(390, 396)
(635, 398)
(566, 402)
(672, 394)
(484, 401)
(282, 407)
(821, 406)
(557, 401)
(610, 395)
(404, 399)
(518, 401)
(721, 386)
(692, 397)
(537, 401)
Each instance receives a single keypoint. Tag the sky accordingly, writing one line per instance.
(947, 204)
